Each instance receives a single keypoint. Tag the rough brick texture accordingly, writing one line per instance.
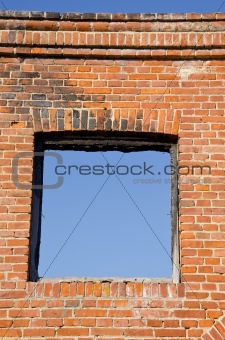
(132, 73)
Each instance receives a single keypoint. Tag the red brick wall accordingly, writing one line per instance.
(143, 73)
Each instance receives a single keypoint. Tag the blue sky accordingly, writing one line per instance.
(119, 231)
(113, 6)
(111, 238)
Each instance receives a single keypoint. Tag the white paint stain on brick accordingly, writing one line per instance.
(192, 68)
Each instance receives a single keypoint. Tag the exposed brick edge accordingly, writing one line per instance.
(113, 17)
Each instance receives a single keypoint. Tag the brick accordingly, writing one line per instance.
(64, 331)
(138, 332)
(111, 80)
(176, 332)
(39, 332)
(106, 331)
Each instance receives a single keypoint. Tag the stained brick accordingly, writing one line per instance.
(136, 72)
(39, 96)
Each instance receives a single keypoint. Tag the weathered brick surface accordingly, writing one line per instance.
(132, 73)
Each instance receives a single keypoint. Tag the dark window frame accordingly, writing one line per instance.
(102, 141)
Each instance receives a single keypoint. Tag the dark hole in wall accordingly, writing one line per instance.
(86, 141)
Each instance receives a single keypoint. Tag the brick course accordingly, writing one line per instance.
(136, 73)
